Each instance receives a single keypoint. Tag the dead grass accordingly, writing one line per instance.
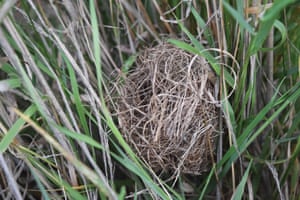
(167, 110)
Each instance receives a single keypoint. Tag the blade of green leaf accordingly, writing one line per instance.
(96, 47)
(281, 28)
(39, 184)
(238, 17)
(140, 172)
(203, 25)
(14, 130)
(96, 179)
(251, 132)
(266, 23)
(207, 181)
(212, 61)
(37, 165)
(128, 64)
(238, 194)
(9, 84)
(106, 113)
(75, 89)
(79, 137)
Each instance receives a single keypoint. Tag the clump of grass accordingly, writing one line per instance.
(59, 140)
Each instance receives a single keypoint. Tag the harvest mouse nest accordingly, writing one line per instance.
(166, 110)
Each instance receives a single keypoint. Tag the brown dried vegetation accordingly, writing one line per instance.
(167, 109)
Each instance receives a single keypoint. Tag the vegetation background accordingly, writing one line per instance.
(59, 140)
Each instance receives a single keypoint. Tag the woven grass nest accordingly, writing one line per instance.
(167, 111)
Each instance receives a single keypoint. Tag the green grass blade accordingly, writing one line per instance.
(122, 193)
(207, 181)
(9, 84)
(184, 45)
(55, 178)
(199, 50)
(296, 150)
(238, 194)
(42, 189)
(140, 172)
(238, 17)
(283, 32)
(9, 70)
(14, 130)
(249, 135)
(266, 23)
(96, 47)
(128, 64)
(109, 121)
(97, 55)
(96, 179)
(27, 83)
(79, 137)
(76, 96)
(202, 24)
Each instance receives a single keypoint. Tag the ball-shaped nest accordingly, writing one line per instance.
(167, 111)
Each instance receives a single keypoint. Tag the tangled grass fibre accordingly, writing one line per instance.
(166, 109)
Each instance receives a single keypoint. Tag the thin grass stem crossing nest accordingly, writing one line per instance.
(166, 110)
